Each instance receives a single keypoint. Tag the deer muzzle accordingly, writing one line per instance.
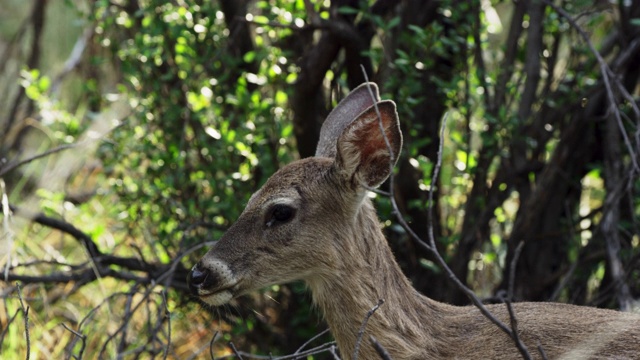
(212, 282)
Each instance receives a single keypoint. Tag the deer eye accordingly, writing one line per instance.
(280, 214)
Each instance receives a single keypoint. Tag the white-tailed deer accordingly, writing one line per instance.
(312, 221)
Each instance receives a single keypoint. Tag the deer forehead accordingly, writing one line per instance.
(291, 182)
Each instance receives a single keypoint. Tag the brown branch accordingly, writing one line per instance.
(532, 63)
(37, 18)
(13, 165)
(510, 55)
(478, 56)
(172, 274)
(63, 226)
(306, 101)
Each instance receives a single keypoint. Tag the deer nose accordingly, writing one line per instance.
(197, 278)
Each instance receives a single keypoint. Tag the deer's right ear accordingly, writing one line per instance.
(369, 147)
(349, 108)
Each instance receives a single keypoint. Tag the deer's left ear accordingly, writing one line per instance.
(363, 156)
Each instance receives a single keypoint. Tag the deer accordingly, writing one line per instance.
(313, 221)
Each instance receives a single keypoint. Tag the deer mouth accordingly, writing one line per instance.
(220, 296)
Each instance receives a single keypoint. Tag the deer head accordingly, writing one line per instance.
(291, 228)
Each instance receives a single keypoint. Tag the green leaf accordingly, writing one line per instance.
(393, 22)
(347, 10)
(281, 97)
(249, 56)
(260, 19)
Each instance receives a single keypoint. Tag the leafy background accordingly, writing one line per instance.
(133, 132)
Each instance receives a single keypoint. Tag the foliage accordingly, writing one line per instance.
(148, 140)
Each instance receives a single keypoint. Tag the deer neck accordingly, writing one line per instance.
(368, 275)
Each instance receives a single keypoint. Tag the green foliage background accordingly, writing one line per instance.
(176, 112)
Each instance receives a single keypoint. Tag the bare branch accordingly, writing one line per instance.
(82, 337)
(327, 347)
(12, 166)
(332, 350)
(542, 353)
(311, 340)
(382, 352)
(512, 269)
(235, 351)
(213, 339)
(507, 301)
(356, 349)
(25, 313)
(37, 18)
(10, 321)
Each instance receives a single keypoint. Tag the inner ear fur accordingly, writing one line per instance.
(348, 109)
(363, 156)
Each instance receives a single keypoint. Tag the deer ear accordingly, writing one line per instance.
(363, 156)
(358, 100)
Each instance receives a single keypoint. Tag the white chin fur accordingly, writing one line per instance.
(218, 299)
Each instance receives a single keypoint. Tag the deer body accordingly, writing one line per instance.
(311, 221)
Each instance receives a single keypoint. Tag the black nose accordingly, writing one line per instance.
(197, 278)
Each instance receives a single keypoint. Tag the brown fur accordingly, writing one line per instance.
(334, 243)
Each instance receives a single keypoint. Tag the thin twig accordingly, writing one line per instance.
(10, 321)
(542, 353)
(25, 313)
(235, 351)
(382, 352)
(310, 341)
(363, 326)
(213, 339)
(333, 352)
(82, 337)
(512, 269)
(508, 299)
(310, 352)
(12, 166)
(201, 349)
